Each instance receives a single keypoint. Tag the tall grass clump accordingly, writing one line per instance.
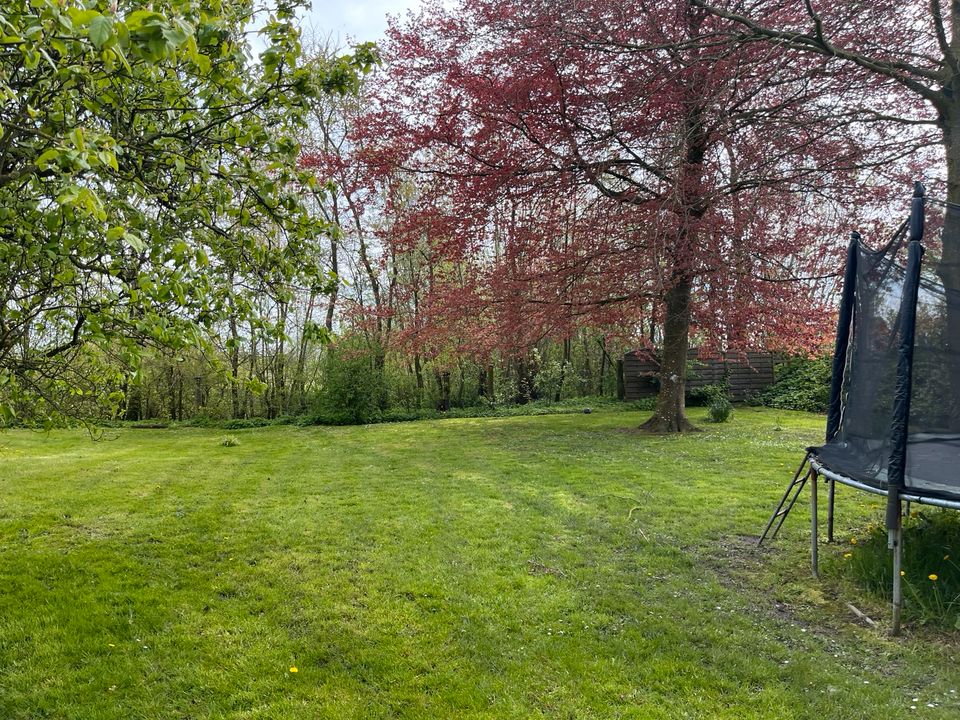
(931, 565)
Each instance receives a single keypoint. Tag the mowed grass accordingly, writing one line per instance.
(554, 567)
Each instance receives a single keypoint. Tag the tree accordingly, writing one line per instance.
(147, 163)
(909, 52)
(688, 157)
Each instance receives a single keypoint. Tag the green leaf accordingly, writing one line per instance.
(135, 242)
(82, 18)
(140, 18)
(48, 158)
(101, 30)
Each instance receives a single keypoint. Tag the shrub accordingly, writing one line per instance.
(800, 384)
(229, 441)
(720, 409)
(706, 395)
(354, 391)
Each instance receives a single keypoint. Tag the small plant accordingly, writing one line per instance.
(230, 441)
(720, 409)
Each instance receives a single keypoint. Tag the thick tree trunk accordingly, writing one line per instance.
(949, 268)
(669, 415)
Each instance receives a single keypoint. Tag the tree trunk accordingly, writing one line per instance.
(669, 415)
(134, 399)
(234, 367)
(418, 372)
(603, 366)
(443, 386)
(567, 355)
(949, 268)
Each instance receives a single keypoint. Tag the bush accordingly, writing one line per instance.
(720, 409)
(354, 391)
(706, 395)
(800, 384)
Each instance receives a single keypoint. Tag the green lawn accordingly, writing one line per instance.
(555, 567)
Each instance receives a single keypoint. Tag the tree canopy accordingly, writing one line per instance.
(147, 170)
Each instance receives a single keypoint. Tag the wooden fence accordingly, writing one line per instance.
(746, 374)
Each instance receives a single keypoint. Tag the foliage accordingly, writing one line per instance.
(353, 389)
(147, 165)
(720, 409)
(705, 395)
(931, 553)
(799, 384)
(229, 441)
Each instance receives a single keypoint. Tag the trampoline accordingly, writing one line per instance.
(893, 425)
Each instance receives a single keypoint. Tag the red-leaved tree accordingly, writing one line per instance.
(601, 160)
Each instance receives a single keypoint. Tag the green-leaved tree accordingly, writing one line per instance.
(147, 168)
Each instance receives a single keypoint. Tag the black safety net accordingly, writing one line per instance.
(875, 362)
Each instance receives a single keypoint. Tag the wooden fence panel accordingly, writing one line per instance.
(747, 374)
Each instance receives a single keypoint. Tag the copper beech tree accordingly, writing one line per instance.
(580, 162)
(910, 47)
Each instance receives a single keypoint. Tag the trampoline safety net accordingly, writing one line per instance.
(897, 356)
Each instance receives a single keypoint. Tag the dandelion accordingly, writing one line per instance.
(853, 541)
(902, 573)
(932, 576)
(848, 555)
(294, 669)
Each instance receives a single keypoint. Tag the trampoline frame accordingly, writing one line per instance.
(911, 497)
(896, 490)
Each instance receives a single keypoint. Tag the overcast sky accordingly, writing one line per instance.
(353, 20)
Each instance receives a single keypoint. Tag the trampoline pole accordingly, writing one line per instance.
(831, 495)
(814, 560)
(896, 537)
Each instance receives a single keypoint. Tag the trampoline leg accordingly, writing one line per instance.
(831, 496)
(896, 540)
(814, 549)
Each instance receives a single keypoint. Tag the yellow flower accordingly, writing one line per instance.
(902, 573)
(294, 669)
(932, 576)
(848, 555)
(853, 541)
